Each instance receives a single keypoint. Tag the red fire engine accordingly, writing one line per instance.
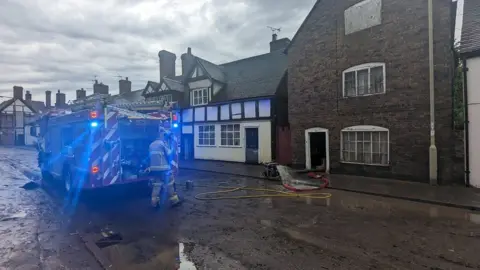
(100, 147)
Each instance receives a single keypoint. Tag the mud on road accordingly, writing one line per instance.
(347, 231)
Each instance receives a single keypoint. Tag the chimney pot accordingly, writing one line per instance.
(48, 99)
(124, 86)
(60, 100)
(189, 51)
(167, 64)
(280, 44)
(18, 92)
(28, 96)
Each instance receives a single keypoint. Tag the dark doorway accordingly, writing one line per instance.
(20, 139)
(318, 150)
(187, 146)
(251, 147)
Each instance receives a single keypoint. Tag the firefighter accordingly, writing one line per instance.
(160, 169)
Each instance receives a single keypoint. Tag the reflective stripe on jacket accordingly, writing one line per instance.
(159, 156)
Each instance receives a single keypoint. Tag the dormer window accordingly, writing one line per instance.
(199, 96)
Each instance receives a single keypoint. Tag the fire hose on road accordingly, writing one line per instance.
(216, 195)
(297, 189)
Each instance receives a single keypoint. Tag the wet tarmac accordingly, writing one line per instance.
(346, 231)
(33, 234)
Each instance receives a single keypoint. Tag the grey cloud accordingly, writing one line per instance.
(49, 45)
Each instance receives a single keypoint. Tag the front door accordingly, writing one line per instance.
(187, 146)
(251, 147)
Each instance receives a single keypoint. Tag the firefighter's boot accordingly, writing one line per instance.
(174, 200)
(156, 188)
(173, 196)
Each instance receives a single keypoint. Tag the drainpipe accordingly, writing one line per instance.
(433, 166)
(466, 123)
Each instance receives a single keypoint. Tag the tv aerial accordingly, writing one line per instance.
(275, 30)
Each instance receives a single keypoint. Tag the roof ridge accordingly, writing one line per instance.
(251, 57)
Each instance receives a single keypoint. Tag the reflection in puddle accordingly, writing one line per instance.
(21, 214)
(185, 264)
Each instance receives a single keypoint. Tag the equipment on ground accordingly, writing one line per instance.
(101, 146)
(271, 171)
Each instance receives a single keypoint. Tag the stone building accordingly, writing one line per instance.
(358, 89)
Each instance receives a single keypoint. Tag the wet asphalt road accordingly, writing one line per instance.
(347, 231)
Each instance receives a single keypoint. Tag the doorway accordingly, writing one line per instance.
(187, 143)
(251, 147)
(317, 149)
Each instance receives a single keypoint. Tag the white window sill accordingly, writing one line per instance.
(367, 95)
(365, 164)
(231, 146)
(207, 146)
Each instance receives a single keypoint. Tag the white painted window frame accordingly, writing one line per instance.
(202, 92)
(365, 128)
(361, 67)
(214, 136)
(233, 134)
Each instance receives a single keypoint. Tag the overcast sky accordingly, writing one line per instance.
(50, 45)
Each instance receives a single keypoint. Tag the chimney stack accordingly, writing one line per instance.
(18, 92)
(48, 99)
(124, 86)
(81, 94)
(28, 96)
(100, 88)
(188, 60)
(60, 100)
(167, 64)
(278, 44)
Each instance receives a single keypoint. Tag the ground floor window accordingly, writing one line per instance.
(365, 145)
(206, 135)
(230, 135)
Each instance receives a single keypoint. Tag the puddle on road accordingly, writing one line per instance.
(185, 264)
(374, 205)
(19, 215)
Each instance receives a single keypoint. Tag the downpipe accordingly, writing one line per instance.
(466, 124)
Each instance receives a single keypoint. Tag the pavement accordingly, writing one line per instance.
(453, 196)
(344, 230)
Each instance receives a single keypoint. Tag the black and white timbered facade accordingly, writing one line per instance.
(230, 111)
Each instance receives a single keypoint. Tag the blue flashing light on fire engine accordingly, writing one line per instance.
(94, 124)
(174, 119)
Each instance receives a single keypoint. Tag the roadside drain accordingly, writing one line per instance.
(110, 238)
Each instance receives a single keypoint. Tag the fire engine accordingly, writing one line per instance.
(102, 146)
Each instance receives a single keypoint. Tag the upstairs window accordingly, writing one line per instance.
(199, 96)
(364, 80)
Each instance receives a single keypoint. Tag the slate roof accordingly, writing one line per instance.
(7, 103)
(470, 41)
(213, 70)
(133, 96)
(174, 84)
(256, 76)
(38, 106)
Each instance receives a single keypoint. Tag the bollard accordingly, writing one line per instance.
(189, 184)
